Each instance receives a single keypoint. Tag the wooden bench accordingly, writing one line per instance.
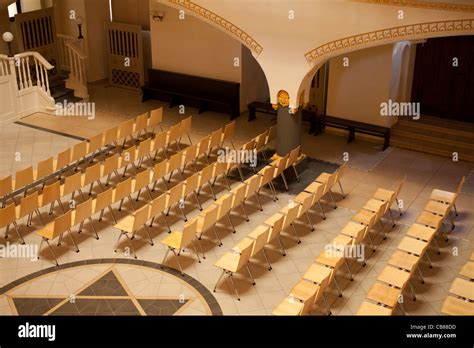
(204, 93)
(358, 127)
(265, 108)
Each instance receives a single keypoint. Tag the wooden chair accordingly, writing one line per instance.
(203, 149)
(173, 136)
(266, 179)
(131, 224)
(6, 189)
(63, 160)
(123, 190)
(306, 292)
(158, 207)
(253, 189)
(317, 190)
(260, 235)
(156, 118)
(44, 169)
(448, 197)
(225, 205)
(234, 261)
(271, 136)
(103, 201)
(111, 136)
(228, 134)
(365, 217)
(390, 196)
(141, 122)
(206, 178)
(321, 276)
(207, 220)
(276, 224)
(191, 187)
(51, 194)
(159, 172)
(176, 242)
(127, 158)
(328, 180)
(91, 176)
(175, 196)
(214, 141)
(189, 157)
(72, 184)
(174, 164)
(185, 128)
(28, 205)
(291, 214)
(159, 144)
(96, 143)
(369, 308)
(56, 229)
(247, 148)
(23, 178)
(7, 218)
(292, 159)
(396, 278)
(143, 151)
(81, 213)
(280, 166)
(220, 170)
(125, 130)
(305, 201)
(260, 144)
(239, 199)
(79, 152)
(110, 166)
(141, 181)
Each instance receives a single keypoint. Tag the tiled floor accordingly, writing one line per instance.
(369, 168)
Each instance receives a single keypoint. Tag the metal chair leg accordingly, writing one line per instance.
(218, 280)
(250, 273)
(283, 251)
(266, 258)
(310, 222)
(322, 210)
(296, 233)
(235, 288)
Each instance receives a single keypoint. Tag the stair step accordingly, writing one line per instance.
(61, 92)
(456, 128)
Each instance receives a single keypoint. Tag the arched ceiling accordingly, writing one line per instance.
(292, 38)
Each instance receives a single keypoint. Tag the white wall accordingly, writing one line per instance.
(355, 92)
(254, 86)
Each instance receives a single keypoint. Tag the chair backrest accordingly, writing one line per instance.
(158, 205)
(144, 148)
(291, 215)
(185, 125)
(45, 168)
(261, 237)
(253, 184)
(140, 217)
(190, 154)
(72, 183)
(203, 145)
(92, 174)
(156, 117)
(159, 170)
(272, 134)
(276, 228)
(83, 211)
(159, 141)
(126, 129)
(461, 184)
(142, 179)
(23, 177)
(294, 154)
(260, 140)
(331, 181)
(95, 143)
(129, 155)
(64, 159)
(28, 204)
(249, 146)
(215, 139)
(110, 164)
(7, 215)
(219, 168)
(318, 193)
(123, 189)
(189, 233)
(6, 185)
(111, 135)
(306, 204)
(176, 193)
(245, 252)
(173, 133)
(229, 131)
(341, 171)
(382, 210)
(104, 199)
(62, 224)
(209, 218)
(308, 304)
(225, 205)
(141, 122)
(191, 184)
(51, 193)
(281, 165)
(267, 175)
(239, 194)
(206, 174)
(79, 151)
(174, 162)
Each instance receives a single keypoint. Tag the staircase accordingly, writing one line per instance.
(60, 92)
(436, 136)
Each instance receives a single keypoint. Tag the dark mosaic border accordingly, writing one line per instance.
(205, 293)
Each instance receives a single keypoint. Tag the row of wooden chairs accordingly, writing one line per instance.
(52, 193)
(72, 156)
(385, 295)
(312, 286)
(240, 256)
(460, 300)
(126, 188)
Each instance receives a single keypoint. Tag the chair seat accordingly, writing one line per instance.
(126, 224)
(413, 246)
(455, 306)
(331, 261)
(317, 273)
(394, 276)
(229, 261)
(438, 208)
(304, 290)
(383, 194)
(363, 216)
(468, 270)
(443, 196)
(368, 308)
(288, 307)
(273, 219)
(47, 231)
(173, 240)
(384, 294)
(421, 232)
(429, 219)
(353, 229)
(403, 260)
(323, 178)
(462, 288)
(256, 232)
(313, 187)
(373, 205)
(342, 240)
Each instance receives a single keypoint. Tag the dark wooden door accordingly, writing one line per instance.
(442, 89)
